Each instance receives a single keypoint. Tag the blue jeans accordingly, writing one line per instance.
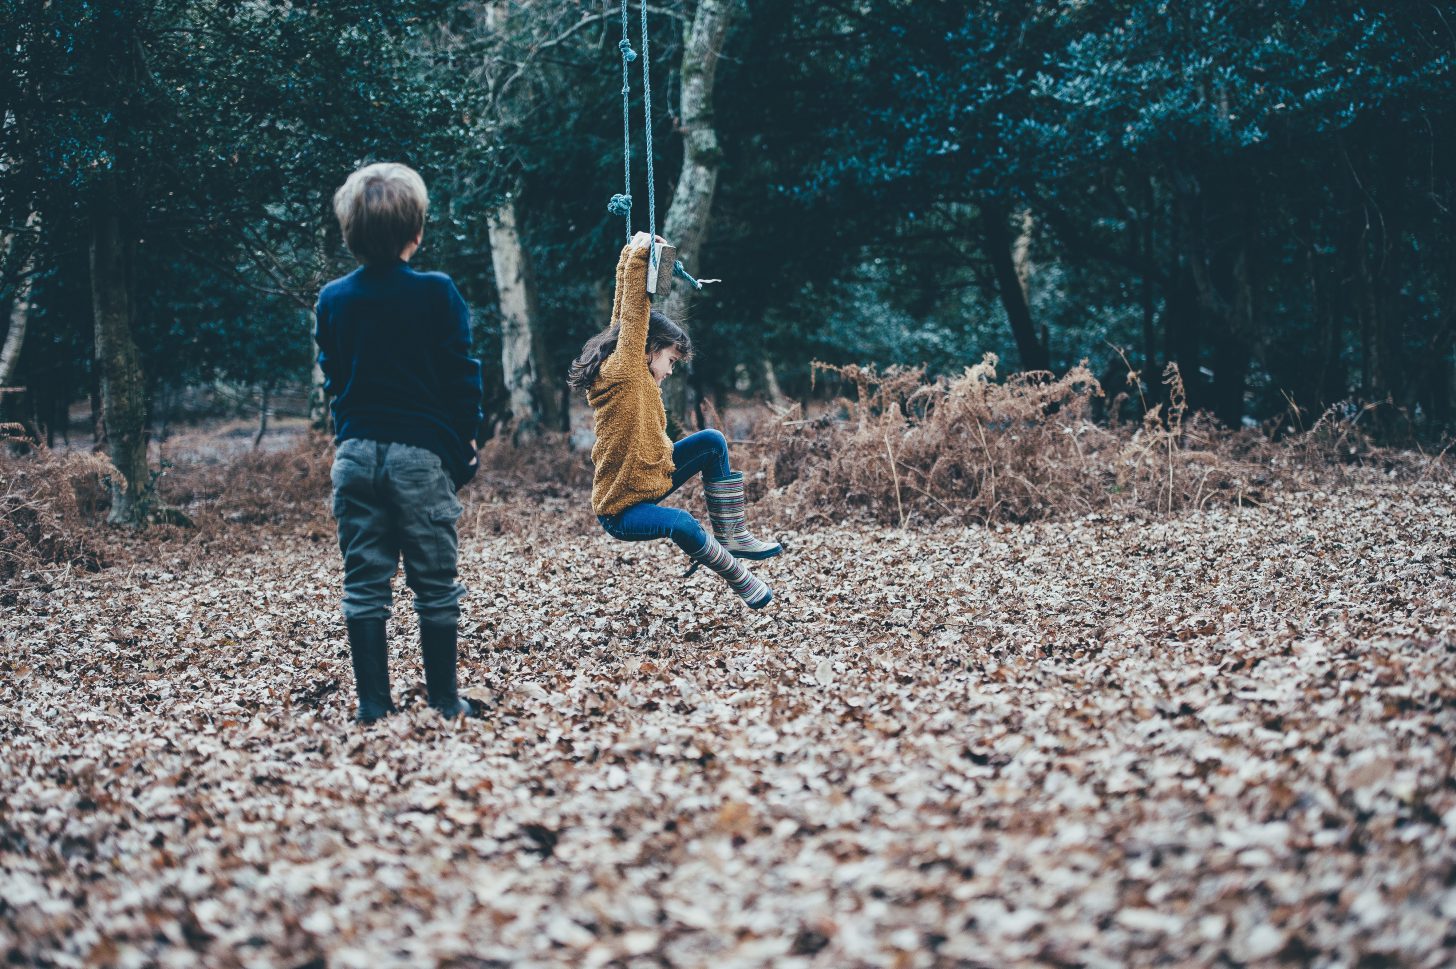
(705, 452)
(395, 501)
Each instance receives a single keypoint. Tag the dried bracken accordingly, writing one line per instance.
(280, 487)
(50, 505)
(972, 449)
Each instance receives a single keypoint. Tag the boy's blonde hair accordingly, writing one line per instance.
(381, 209)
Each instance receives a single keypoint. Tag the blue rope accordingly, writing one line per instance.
(622, 204)
(647, 117)
(679, 271)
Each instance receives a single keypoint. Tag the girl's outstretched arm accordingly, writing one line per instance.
(617, 293)
(633, 308)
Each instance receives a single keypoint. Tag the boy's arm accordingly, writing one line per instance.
(633, 309)
(328, 358)
(459, 371)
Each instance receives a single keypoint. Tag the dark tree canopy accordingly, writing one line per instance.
(1259, 193)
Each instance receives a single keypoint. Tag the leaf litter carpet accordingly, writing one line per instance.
(1222, 738)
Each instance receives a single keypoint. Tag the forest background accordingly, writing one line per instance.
(1093, 361)
(1258, 193)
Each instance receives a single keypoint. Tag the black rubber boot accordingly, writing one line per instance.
(369, 650)
(438, 645)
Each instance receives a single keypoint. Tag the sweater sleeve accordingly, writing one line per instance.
(617, 294)
(633, 309)
(459, 372)
(328, 354)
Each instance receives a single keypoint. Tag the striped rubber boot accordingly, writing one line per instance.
(726, 512)
(743, 582)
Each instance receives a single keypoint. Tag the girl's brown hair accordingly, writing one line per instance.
(661, 333)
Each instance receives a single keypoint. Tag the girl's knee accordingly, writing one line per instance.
(719, 467)
(689, 535)
(718, 441)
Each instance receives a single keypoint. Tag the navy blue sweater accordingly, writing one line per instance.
(394, 345)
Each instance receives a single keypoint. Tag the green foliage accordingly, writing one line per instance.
(223, 138)
(1189, 167)
(1258, 192)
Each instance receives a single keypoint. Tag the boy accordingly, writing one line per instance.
(394, 348)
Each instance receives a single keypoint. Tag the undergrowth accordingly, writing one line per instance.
(51, 505)
(282, 487)
(896, 448)
(902, 450)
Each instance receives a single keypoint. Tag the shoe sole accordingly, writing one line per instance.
(757, 556)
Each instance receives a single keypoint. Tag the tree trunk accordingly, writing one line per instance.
(1328, 383)
(1219, 241)
(263, 405)
(534, 397)
(1231, 342)
(1436, 398)
(1021, 251)
(1000, 246)
(318, 401)
(686, 225)
(776, 396)
(123, 401)
(1396, 376)
(15, 335)
(1182, 325)
(19, 308)
(1230, 372)
(1443, 378)
(1149, 302)
(319, 417)
(98, 426)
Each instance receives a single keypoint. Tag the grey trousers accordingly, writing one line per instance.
(395, 501)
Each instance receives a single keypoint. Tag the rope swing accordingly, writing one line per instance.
(621, 204)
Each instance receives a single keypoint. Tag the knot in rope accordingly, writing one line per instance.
(620, 205)
(628, 54)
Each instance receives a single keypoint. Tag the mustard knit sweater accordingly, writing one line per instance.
(633, 454)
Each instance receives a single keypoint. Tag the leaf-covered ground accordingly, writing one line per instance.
(1222, 738)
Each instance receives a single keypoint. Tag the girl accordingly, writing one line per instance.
(621, 371)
